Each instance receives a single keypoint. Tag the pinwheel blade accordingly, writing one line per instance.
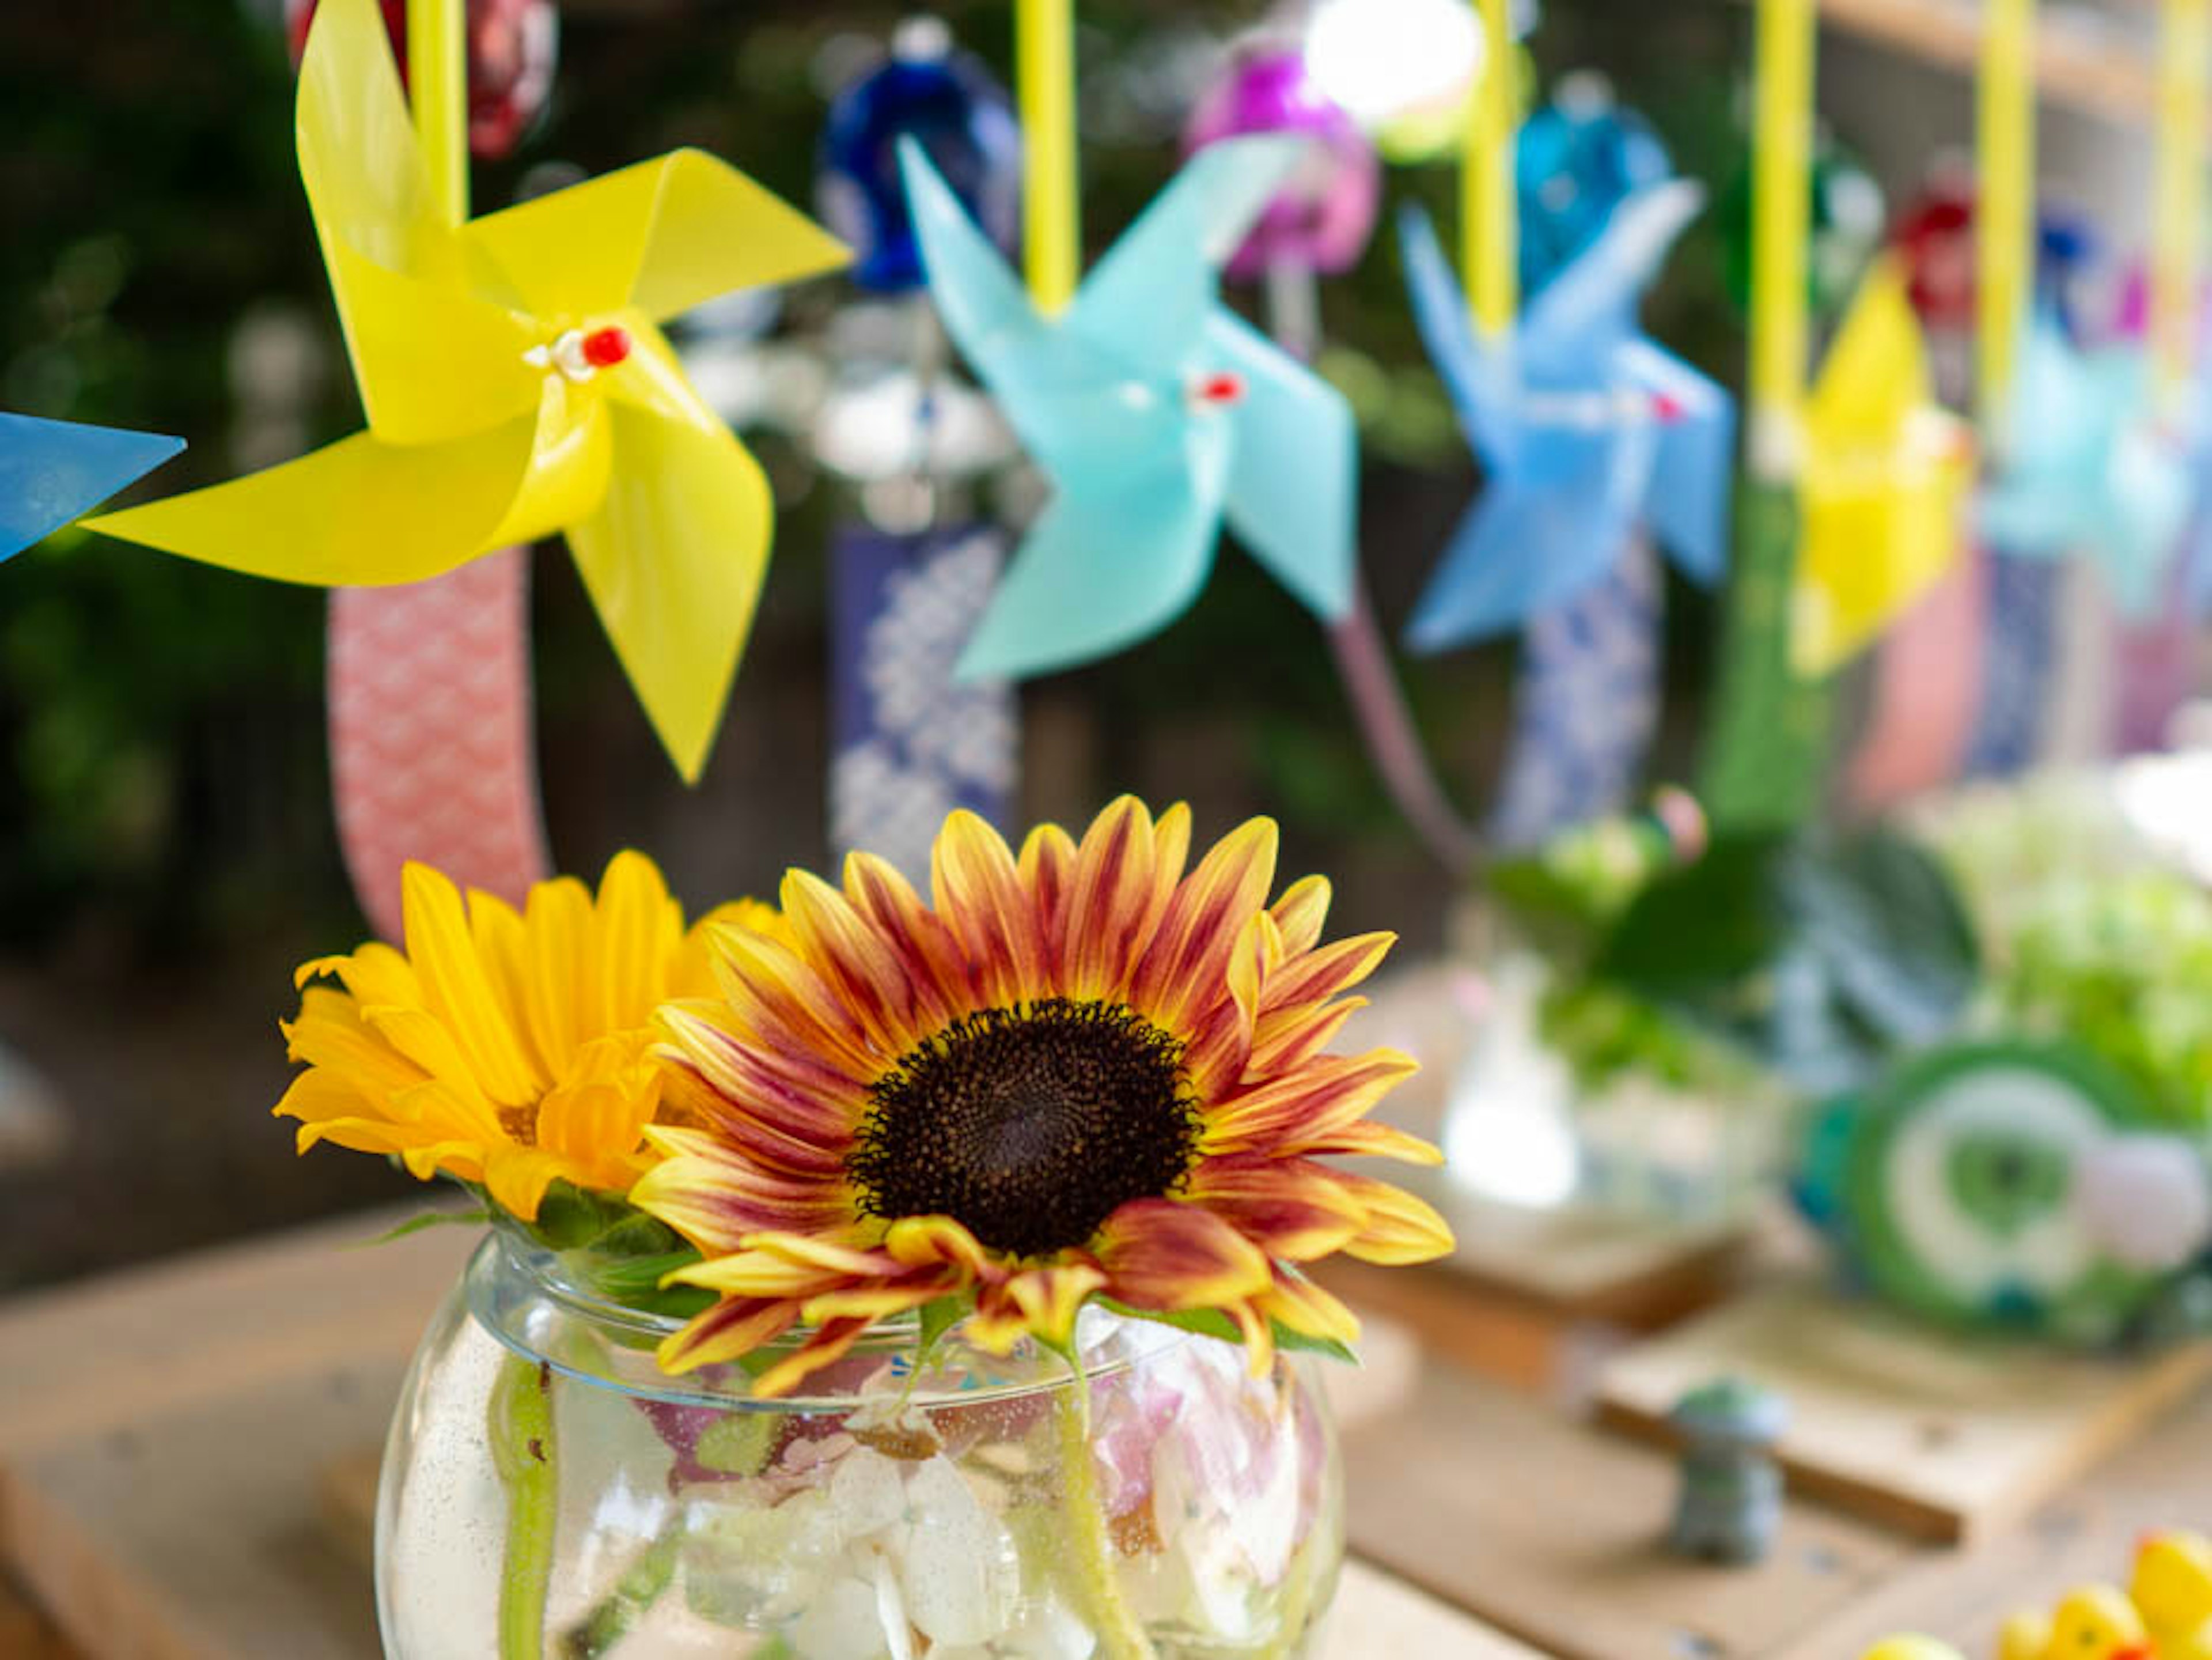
(663, 236)
(1884, 476)
(1151, 296)
(1522, 550)
(1293, 468)
(1055, 388)
(1686, 504)
(53, 472)
(359, 513)
(674, 554)
(1075, 593)
(1473, 376)
(1582, 316)
(434, 357)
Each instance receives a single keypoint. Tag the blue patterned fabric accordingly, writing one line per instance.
(1586, 705)
(2017, 665)
(911, 742)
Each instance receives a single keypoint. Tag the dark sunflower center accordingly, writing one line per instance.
(1028, 1125)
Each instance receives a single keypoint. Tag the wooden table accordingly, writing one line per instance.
(165, 1436)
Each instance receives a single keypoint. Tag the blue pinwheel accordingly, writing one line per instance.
(54, 471)
(1586, 428)
(1157, 412)
(2084, 466)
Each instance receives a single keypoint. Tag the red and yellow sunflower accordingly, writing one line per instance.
(1078, 1071)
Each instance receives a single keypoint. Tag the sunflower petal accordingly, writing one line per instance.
(1400, 1228)
(734, 1327)
(916, 1241)
(458, 992)
(1321, 973)
(1293, 1209)
(557, 920)
(1111, 900)
(1326, 1093)
(928, 954)
(716, 1197)
(639, 932)
(1188, 960)
(979, 894)
(1049, 1297)
(1304, 1307)
(1363, 1139)
(1047, 865)
(517, 1177)
(1161, 1255)
(1300, 913)
(827, 1346)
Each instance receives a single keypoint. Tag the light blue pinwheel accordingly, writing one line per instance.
(1586, 428)
(1157, 412)
(2084, 466)
(54, 471)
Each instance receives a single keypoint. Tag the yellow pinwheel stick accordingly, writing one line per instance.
(517, 383)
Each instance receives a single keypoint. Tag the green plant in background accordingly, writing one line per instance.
(2122, 965)
(1816, 957)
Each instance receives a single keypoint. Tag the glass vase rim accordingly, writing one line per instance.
(546, 1280)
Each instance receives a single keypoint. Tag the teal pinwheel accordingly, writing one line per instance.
(2084, 465)
(1158, 413)
(54, 471)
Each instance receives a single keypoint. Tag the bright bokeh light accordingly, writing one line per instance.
(1383, 58)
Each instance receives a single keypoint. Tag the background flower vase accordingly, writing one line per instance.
(549, 1490)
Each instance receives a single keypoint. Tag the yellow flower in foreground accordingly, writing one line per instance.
(1079, 1072)
(507, 1049)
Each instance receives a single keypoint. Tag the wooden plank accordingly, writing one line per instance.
(106, 1351)
(25, 1634)
(1945, 1435)
(2086, 1533)
(1379, 1618)
(1552, 1531)
(2085, 60)
(195, 1535)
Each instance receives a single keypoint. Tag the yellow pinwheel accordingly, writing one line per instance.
(1885, 469)
(516, 384)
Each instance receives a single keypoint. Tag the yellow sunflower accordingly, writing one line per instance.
(505, 1050)
(1078, 1072)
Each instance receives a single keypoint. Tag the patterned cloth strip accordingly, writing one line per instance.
(433, 740)
(1927, 686)
(1586, 704)
(911, 741)
(2017, 665)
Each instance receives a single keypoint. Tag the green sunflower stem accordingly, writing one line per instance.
(1119, 1636)
(522, 1433)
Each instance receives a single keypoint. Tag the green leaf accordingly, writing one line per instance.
(430, 1218)
(1820, 957)
(937, 1317)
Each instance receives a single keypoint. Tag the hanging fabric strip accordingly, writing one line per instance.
(1927, 673)
(911, 741)
(2157, 670)
(433, 751)
(2081, 700)
(2016, 665)
(1585, 705)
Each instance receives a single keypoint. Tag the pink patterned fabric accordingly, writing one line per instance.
(1927, 687)
(432, 741)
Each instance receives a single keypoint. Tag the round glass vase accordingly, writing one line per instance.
(548, 1491)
